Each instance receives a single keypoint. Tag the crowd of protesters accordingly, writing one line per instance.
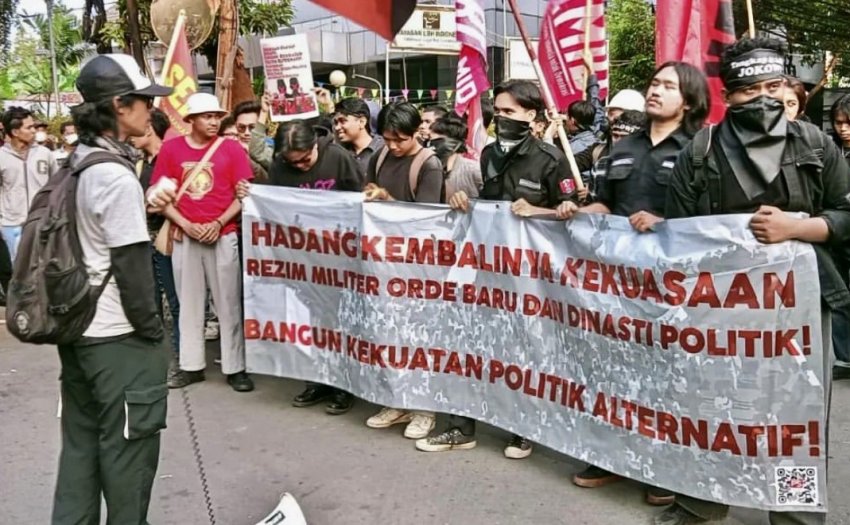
(641, 157)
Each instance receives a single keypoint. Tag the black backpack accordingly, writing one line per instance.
(50, 300)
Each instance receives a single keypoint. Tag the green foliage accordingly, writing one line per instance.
(8, 8)
(631, 33)
(69, 44)
(811, 27)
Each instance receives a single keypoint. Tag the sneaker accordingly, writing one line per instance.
(659, 497)
(452, 439)
(676, 515)
(211, 331)
(240, 382)
(388, 417)
(518, 448)
(182, 378)
(593, 477)
(421, 425)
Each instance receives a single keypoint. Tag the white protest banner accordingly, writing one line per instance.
(689, 358)
(289, 77)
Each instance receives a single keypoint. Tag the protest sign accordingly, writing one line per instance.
(689, 358)
(289, 77)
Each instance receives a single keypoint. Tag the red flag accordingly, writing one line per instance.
(178, 73)
(697, 32)
(472, 70)
(562, 45)
(385, 17)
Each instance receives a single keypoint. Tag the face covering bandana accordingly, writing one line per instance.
(71, 139)
(510, 132)
(40, 136)
(753, 137)
(445, 147)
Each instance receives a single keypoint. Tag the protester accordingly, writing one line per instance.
(25, 167)
(540, 126)
(114, 395)
(448, 136)
(795, 98)
(42, 137)
(635, 185)
(487, 118)
(258, 147)
(150, 145)
(765, 165)
(227, 128)
(840, 117)
(581, 117)
(205, 239)
(535, 177)
(390, 177)
(354, 133)
(625, 100)
(306, 161)
(429, 115)
(69, 137)
(246, 117)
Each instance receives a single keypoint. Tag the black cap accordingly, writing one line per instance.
(115, 75)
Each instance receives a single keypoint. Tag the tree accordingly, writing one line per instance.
(811, 28)
(8, 8)
(69, 44)
(255, 17)
(631, 44)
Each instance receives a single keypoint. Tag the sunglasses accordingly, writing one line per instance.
(242, 128)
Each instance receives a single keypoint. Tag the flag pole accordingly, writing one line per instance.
(588, 57)
(169, 54)
(751, 18)
(547, 96)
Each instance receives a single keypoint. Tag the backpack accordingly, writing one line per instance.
(708, 181)
(419, 160)
(50, 299)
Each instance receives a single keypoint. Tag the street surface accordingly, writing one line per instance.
(256, 446)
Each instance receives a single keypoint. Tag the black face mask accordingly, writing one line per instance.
(445, 147)
(511, 130)
(754, 135)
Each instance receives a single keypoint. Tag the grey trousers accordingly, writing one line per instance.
(197, 266)
(710, 510)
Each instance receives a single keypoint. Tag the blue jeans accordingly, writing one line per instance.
(164, 273)
(12, 236)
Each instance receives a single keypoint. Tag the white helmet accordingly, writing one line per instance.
(628, 100)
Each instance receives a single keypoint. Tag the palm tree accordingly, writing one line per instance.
(69, 44)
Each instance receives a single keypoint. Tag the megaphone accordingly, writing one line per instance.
(287, 512)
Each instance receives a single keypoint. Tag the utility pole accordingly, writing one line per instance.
(53, 67)
(135, 36)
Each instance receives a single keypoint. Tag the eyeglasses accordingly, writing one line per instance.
(242, 128)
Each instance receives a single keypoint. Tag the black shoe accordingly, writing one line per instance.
(451, 439)
(312, 395)
(840, 372)
(593, 477)
(518, 448)
(240, 382)
(659, 497)
(183, 378)
(341, 402)
(677, 515)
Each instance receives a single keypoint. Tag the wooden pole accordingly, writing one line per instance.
(547, 96)
(751, 18)
(169, 53)
(227, 41)
(588, 10)
(134, 36)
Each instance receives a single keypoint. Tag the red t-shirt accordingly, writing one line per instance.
(214, 188)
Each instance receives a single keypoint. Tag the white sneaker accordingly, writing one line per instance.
(421, 425)
(211, 331)
(388, 417)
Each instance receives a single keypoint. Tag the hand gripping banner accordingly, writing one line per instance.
(690, 358)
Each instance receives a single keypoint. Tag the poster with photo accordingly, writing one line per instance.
(289, 77)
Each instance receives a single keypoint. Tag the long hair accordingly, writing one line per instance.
(693, 87)
(95, 119)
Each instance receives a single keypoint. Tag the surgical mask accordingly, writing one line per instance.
(761, 114)
(510, 130)
(40, 136)
(71, 139)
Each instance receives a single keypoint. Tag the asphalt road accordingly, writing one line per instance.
(256, 446)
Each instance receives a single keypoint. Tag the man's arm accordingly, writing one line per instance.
(599, 118)
(260, 152)
(836, 194)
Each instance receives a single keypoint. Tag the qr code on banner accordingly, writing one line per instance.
(797, 486)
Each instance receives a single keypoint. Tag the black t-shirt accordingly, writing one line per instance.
(335, 169)
(155, 220)
(639, 173)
